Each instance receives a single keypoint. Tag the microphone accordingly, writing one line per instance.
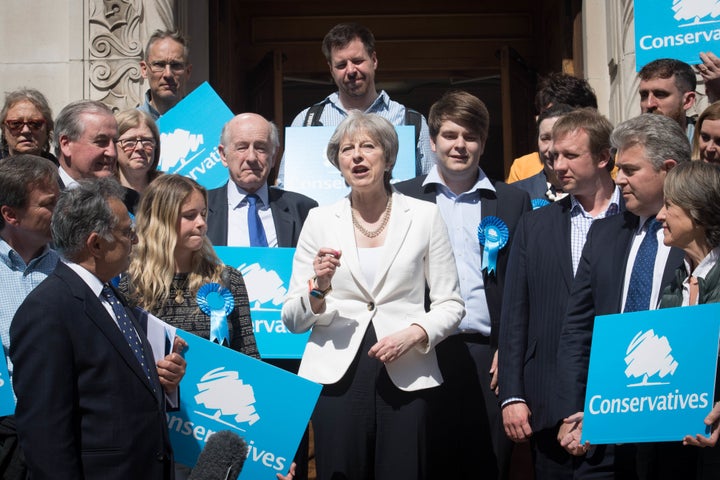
(222, 458)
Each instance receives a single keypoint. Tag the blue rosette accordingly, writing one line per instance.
(217, 302)
(493, 235)
(539, 202)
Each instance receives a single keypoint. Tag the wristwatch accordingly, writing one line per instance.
(315, 291)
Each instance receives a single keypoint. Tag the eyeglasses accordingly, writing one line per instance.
(128, 144)
(16, 126)
(159, 67)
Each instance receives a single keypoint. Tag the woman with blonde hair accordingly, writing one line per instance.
(174, 267)
(138, 149)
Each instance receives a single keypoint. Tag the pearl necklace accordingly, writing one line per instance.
(383, 224)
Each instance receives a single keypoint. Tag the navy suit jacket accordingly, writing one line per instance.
(85, 408)
(507, 203)
(289, 210)
(540, 278)
(536, 186)
(597, 290)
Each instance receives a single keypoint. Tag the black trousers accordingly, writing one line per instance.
(367, 428)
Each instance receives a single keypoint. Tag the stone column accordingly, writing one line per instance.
(117, 33)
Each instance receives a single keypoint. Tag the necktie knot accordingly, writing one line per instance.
(653, 225)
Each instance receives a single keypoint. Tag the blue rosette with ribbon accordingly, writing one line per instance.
(493, 235)
(539, 202)
(217, 302)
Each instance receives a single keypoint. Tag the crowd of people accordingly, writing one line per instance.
(451, 315)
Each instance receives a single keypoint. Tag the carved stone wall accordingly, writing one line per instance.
(117, 32)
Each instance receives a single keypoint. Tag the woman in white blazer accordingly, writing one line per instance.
(359, 277)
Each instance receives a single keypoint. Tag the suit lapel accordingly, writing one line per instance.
(398, 227)
(218, 216)
(560, 239)
(96, 313)
(282, 218)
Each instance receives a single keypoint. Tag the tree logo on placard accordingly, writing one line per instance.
(264, 287)
(178, 149)
(649, 358)
(226, 394)
(696, 12)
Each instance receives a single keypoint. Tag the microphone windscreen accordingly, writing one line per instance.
(222, 458)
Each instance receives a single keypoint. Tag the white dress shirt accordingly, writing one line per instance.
(238, 235)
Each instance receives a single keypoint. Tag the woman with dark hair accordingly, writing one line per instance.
(27, 124)
(691, 221)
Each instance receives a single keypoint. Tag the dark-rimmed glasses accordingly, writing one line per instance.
(128, 144)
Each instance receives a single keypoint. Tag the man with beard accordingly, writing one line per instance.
(350, 52)
(667, 87)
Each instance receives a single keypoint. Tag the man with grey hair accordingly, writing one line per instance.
(248, 148)
(247, 212)
(83, 366)
(85, 137)
(167, 69)
(610, 278)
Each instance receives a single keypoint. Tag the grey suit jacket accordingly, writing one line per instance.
(289, 211)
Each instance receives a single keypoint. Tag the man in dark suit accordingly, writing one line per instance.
(542, 264)
(85, 136)
(647, 146)
(248, 147)
(468, 199)
(90, 401)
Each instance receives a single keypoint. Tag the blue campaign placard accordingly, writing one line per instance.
(225, 390)
(7, 398)
(190, 135)
(652, 375)
(308, 171)
(679, 29)
(267, 277)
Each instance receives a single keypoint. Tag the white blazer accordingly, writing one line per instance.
(417, 249)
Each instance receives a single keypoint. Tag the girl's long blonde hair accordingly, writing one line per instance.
(152, 267)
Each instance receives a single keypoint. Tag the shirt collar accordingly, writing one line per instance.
(705, 264)
(95, 284)
(613, 205)
(148, 102)
(382, 102)
(11, 258)
(482, 182)
(237, 195)
(67, 180)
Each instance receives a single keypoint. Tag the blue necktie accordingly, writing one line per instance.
(127, 329)
(255, 226)
(641, 278)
